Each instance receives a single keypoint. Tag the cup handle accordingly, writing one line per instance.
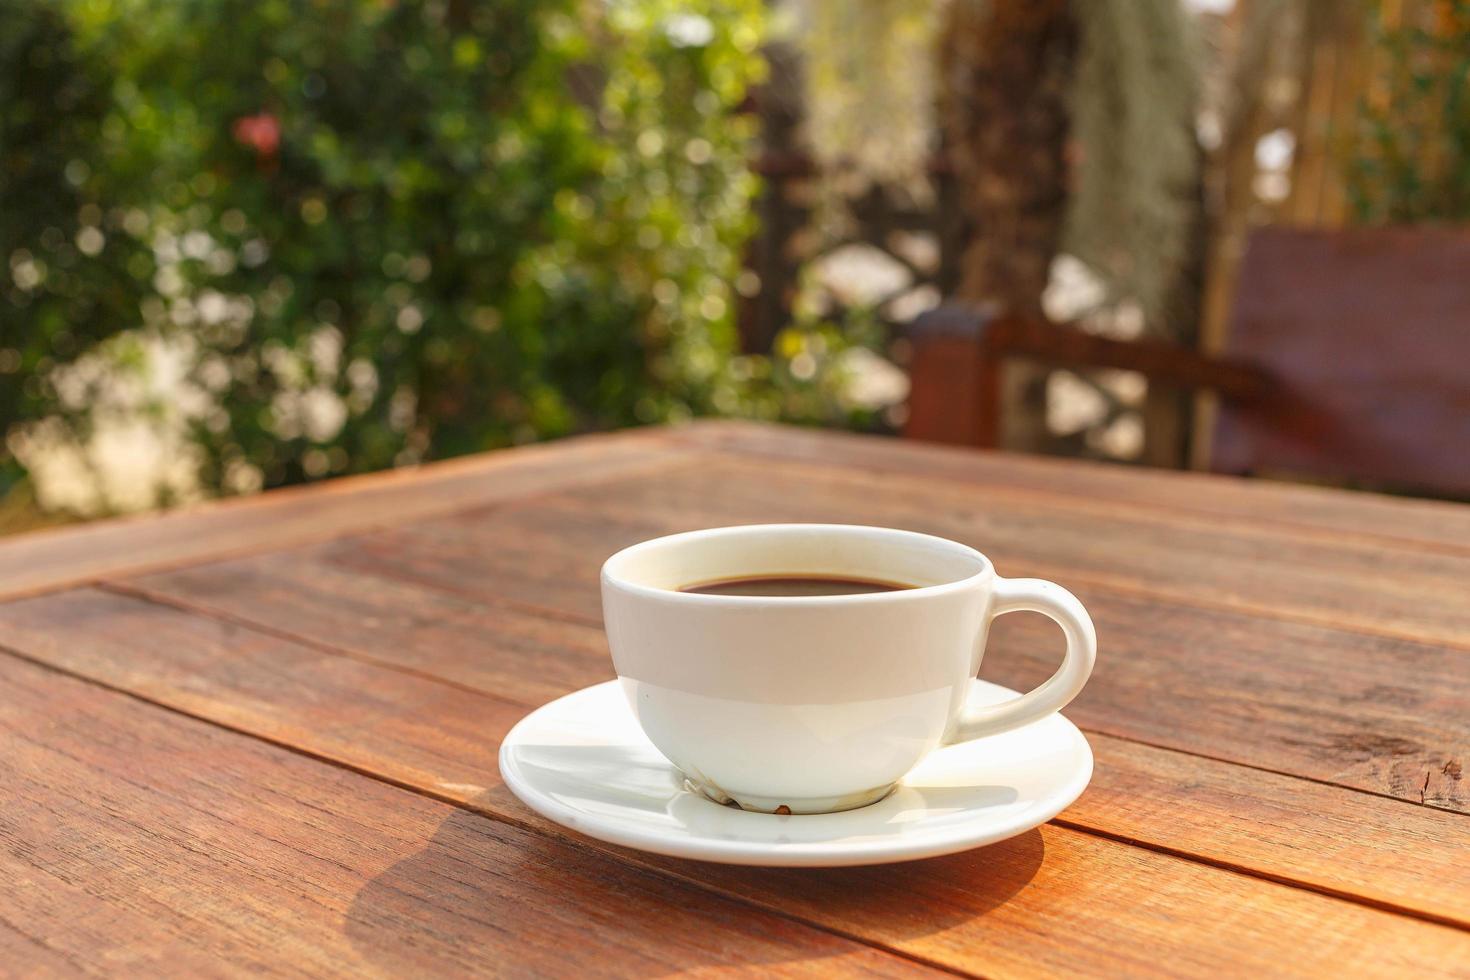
(1049, 599)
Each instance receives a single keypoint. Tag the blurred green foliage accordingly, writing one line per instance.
(376, 231)
(63, 287)
(1411, 160)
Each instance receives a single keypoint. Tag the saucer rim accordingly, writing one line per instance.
(829, 853)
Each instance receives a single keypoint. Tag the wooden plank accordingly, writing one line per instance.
(1345, 583)
(54, 558)
(1335, 840)
(1188, 802)
(1378, 713)
(1356, 710)
(1204, 681)
(1326, 838)
(1329, 579)
(138, 841)
(1092, 907)
(1394, 520)
(497, 647)
(1167, 799)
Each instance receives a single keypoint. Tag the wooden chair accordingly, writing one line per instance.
(1348, 358)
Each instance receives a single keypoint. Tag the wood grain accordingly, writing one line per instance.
(1349, 584)
(350, 711)
(1381, 713)
(1267, 630)
(1337, 841)
(140, 842)
(49, 559)
(1396, 521)
(1357, 710)
(497, 647)
(1326, 837)
(1353, 709)
(1093, 907)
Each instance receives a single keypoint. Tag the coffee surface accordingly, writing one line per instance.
(793, 585)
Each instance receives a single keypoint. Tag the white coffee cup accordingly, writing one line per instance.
(818, 703)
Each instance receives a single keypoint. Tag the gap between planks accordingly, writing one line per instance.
(1248, 872)
(326, 648)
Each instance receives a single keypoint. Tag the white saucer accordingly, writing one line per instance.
(583, 761)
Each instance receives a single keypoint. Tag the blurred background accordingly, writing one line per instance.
(250, 243)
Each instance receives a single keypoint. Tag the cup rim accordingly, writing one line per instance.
(611, 577)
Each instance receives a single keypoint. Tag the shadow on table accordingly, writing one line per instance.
(485, 896)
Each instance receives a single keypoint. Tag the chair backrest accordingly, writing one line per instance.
(1367, 334)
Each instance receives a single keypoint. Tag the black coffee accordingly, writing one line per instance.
(793, 585)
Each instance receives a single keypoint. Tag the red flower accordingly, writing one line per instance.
(261, 132)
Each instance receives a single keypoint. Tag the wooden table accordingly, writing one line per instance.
(261, 736)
